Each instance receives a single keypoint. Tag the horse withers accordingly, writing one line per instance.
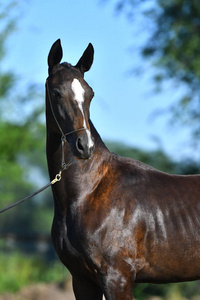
(117, 221)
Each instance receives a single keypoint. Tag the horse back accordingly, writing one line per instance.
(167, 217)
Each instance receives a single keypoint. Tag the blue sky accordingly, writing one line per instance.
(123, 104)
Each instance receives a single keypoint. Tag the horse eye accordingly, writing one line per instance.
(56, 94)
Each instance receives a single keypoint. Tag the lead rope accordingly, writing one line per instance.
(64, 166)
(56, 179)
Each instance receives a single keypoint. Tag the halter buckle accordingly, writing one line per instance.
(57, 178)
(63, 138)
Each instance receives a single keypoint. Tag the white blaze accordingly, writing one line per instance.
(79, 98)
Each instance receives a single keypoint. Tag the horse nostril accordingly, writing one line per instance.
(83, 148)
(80, 146)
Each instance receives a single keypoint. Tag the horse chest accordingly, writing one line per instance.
(67, 247)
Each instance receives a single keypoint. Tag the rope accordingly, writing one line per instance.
(64, 166)
(56, 179)
(26, 198)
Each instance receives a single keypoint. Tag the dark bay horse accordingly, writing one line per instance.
(117, 221)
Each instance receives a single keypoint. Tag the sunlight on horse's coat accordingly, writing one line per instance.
(117, 221)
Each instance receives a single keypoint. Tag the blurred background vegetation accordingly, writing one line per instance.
(25, 243)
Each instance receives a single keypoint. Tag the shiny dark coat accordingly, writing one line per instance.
(117, 221)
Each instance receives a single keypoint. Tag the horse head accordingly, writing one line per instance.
(68, 99)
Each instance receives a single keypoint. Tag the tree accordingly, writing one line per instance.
(21, 138)
(173, 49)
(156, 158)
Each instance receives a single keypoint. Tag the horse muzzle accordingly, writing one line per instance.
(84, 146)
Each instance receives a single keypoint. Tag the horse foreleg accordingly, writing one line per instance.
(86, 289)
(117, 287)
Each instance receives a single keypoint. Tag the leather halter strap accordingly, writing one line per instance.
(64, 166)
(63, 135)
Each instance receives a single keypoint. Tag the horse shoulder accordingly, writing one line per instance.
(109, 218)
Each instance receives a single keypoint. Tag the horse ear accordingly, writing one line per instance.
(55, 55)
(86, 60)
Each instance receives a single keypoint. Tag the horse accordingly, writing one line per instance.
(117, 221)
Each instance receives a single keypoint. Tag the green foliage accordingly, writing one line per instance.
(172, 47)
(22, 159)
(141, 291)
(175, 291)
(8, 23)
(18, 270)
(157, 158)
(22, 142)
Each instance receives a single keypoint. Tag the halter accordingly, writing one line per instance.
(64, 166)
(63, 135)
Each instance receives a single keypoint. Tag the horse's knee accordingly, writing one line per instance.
(117, 285)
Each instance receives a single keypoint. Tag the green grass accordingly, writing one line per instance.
(18, 270)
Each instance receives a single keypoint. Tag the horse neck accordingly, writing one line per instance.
(81, 174)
